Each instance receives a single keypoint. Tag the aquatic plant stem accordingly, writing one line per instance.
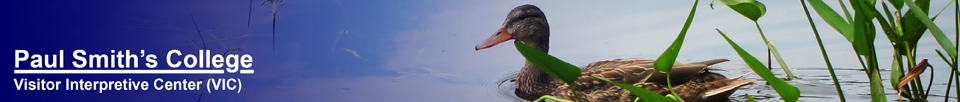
(274, 31)
(949, 84)
(575, 95)
(953, 66)
(917, 84)
(914, 89)
(551, 98)
(204, 42)
(670, 86)
(776, 53)
(274, 17)
(930, 83)
(876, 88)
(823, 51)
(249, 10)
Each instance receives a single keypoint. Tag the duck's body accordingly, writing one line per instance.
(698, 86)
(692, 81)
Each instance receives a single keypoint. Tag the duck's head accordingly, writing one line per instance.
(524, 23)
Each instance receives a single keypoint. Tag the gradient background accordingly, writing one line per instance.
(413, 51)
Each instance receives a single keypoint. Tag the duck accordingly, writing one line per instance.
(693, 82)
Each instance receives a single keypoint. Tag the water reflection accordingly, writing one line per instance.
(507, 85)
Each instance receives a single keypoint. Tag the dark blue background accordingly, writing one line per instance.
(305, 33)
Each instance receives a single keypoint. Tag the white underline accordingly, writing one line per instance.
(246, 71)
(120, 71)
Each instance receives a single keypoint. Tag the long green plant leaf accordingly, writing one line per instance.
(553, 66)
(786, 91)
(665, 62)
(641, 93)
(833, 18)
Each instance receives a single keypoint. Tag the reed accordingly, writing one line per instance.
(903, 33)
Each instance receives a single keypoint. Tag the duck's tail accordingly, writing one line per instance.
(711, 62)
(731, 85)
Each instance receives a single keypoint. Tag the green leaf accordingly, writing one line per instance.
(937, 33)
(786, 91)
(891, 30)
(643, 94)
(896, 4)
(664, 63)
(863, 29)
(833, 18)
(895, 69)
(749, 8)
(553, 66)
(865, 32)
(876, 85)
(912, 27)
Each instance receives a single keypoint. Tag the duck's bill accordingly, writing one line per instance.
(501, 36)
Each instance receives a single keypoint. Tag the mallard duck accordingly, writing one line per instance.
(692, 81)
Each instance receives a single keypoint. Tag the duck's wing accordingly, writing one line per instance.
(628, 70)
(634, 70)
(637, 70)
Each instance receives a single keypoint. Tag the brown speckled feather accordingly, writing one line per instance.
(635, 70)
